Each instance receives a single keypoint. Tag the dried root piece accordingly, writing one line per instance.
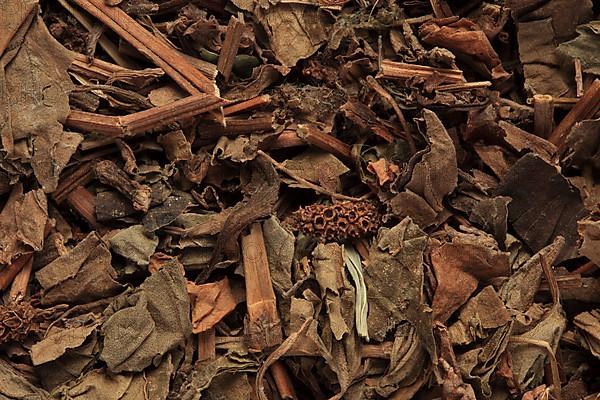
(17, 320)
(338, 221)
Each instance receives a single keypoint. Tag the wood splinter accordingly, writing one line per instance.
(262, 325)
(109, 174)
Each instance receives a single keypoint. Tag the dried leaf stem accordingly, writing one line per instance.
(373, 84)
(109, 174)
(398, 70)
(543, 115)
(586, 107)
(283, 381)
(230, 47)
(145, 120)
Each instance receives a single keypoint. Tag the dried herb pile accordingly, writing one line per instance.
(346, 199)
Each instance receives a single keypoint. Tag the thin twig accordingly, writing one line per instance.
(373, 84)
(304, 182)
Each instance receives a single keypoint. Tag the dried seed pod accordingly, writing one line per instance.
(338, 221)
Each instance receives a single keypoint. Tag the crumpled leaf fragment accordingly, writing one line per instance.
(409, 362)
(460, 264)
(176, 146)
(144, 324)
(478, 365)
(585, 47)
(519, 290)
(329, 270)
(483, 312)
(82, 275)
(260, 196)
(466, 37)
(235, 361)
(211, 302)
(544, 205)
(394, 282)
(167, 212)
(318, 167)
(583, 145)
(152, 384)
(588, 330)
(433, 177)
(135, 244)
(539, 30)
(34, 101)
(296, 31)
(56, 344)
(590, 233)
(16, 387)
(22, 223)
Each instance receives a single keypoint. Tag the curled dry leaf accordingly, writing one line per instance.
(211, 302)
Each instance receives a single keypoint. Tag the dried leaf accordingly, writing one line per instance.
(543, 204)
(398, 253)
(460, 264)
(135, 244)
(433, 177)
(211, 302)
(82, 275)
(590, 233)
(22, 223)
(296, 31)
(585, 47)
(588, 329)
(34, 85)
(56, 344)
(318, 167)
(145, 324)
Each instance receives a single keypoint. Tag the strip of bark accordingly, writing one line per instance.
(207, 349)
(543, 115)
(145, 120)
(398, 70)
(324, 141)
(263, 327)
(230, 47)
(180, 70)
(585, 108)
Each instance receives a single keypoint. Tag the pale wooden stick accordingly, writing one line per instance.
(263, 326)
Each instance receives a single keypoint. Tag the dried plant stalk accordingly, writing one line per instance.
(247, 105)
(109, 174)
(263, 327)
(236, 126)
(80, 177)
(145, 120)
(181, 71)
(18, 290)
(8, 273)
(207, 349)
(324, 141)
(230, 47)
(585, 108)
(82, 202)
(283, 381)
(397, 70)
(543, 115)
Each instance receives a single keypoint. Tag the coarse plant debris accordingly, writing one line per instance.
(315, 199)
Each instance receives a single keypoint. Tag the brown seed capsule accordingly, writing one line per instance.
(338, 221)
